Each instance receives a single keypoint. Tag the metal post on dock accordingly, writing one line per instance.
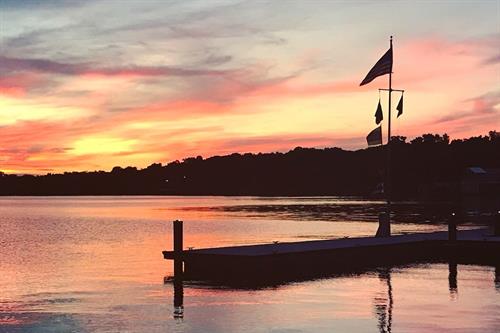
(452, 227)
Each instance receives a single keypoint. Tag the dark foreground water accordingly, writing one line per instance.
(94, 264)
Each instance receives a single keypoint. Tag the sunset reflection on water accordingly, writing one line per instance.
(94, 264)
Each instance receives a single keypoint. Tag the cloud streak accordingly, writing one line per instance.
(12, 64)
(481, 106)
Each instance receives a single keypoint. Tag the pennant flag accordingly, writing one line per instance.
(378, 114)
(375, 137)
(400, 106)
(383, 66)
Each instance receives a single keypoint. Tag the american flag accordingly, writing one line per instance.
(383, 66)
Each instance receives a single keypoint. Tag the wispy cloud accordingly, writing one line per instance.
(477, 107)
(9, 64)
(493, 60)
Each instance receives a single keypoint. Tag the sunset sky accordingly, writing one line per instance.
(88, 85)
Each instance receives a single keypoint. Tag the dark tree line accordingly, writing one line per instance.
(427, 159)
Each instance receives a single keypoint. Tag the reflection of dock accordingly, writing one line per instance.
(301, 260)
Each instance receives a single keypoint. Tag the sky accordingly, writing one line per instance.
(89, 85)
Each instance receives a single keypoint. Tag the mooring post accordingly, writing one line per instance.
(178, 239)
(496, 224)
(384, 225)
(452, 227)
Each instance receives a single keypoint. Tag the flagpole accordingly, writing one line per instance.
(388, 167)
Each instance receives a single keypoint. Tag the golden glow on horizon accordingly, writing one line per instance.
(102, 145)
(20, 109)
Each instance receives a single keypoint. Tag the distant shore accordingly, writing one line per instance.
(429, 167)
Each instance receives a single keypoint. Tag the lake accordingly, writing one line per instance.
(94, 264)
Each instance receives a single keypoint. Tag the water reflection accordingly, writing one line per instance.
(452, 279)
(422, 282)
(93, 266)
(355, 210)
(178, 298)
(384, 302)
(497, 278)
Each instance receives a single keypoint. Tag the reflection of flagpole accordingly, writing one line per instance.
(391, 302)
(384, 305)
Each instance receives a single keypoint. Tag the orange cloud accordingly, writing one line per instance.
(12, 91)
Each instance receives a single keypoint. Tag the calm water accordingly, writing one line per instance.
(94, 264)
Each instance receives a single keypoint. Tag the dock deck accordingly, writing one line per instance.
(297, 260)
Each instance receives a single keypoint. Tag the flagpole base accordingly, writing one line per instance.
(384, 225)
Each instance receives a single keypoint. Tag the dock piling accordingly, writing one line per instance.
(496, 226)
(178, 245)
(178, 270)
(452, 227)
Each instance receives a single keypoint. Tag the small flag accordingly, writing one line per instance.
(378, 114)
(375, 137)
(400, 106)
(383, 66)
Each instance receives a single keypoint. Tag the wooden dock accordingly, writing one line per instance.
(309, 259)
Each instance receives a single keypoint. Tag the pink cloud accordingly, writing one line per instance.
(12, 91)
(296, 88)
(431, 59)
(17, 84)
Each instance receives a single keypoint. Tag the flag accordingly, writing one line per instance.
(383, 66)
(400, 106)
(378, 114)
(375, 137)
